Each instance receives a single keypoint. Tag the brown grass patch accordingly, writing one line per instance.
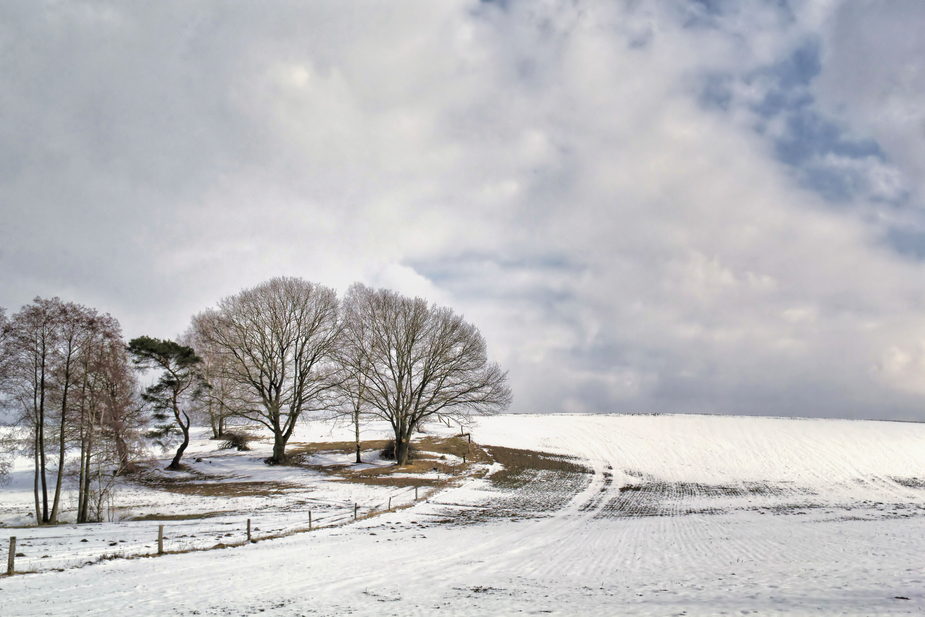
(179, 517)
(229, 489)
(431, 453)
(339, 447)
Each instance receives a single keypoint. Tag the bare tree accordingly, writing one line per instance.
(110, 416)
(179, 384)
(277, 343)
(351, 389)
(30, 384)
(217, 405)
(5, 332)
(52, 354)
(419, 361)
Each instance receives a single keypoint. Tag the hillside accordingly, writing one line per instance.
(576, 515)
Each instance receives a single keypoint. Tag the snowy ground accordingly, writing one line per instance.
(662, 515)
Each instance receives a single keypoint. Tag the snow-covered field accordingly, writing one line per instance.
(663, 515)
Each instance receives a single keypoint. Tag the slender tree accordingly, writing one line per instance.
(352, 382)
(277, 343)
(418, 361)
(179, 383)
(5, 333)
(6, 330)
(29, 387)
(109, 417)
(53, 353)
(75, 325)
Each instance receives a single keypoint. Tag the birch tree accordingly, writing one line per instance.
(109, 417)
(31, 347)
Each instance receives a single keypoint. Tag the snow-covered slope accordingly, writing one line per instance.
(655, 515)
(835, 459)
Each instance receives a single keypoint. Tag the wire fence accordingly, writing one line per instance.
(72, 546)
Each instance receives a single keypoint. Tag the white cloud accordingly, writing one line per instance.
(548, 169)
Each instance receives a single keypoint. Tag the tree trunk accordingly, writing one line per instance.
(125, 465)
(62, 442)
(175, 463)
(401, 451)
(43, 463)
(83, 512)
(356, 424)
(84, 453)
(38, 506)
(403, 444)
(279, 449)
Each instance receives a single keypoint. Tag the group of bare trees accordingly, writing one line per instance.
(269, 354)
(64, 375)
(288, 347)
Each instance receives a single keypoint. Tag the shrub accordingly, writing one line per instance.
(388, 453)
(238, 441)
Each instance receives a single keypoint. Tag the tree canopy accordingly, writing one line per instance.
(419, 360)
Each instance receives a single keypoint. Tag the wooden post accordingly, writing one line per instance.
(249, 530)
(9, 562)
(415, 493)
(390, 503)
(160, 539)
(355, 506)
(309, 520)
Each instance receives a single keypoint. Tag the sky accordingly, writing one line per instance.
(673, 206)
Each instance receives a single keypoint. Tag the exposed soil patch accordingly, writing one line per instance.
(595, 501)
(520, 465)
(651, 496)
(534, 485)
(918, 483)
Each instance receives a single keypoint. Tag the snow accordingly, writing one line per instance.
(696, 515)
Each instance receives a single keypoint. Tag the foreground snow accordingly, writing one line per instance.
(716, 515)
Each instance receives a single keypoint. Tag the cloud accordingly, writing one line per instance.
(645, 207)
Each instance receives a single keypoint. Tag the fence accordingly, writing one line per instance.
(70, 546)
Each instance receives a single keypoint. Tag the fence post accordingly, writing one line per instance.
(415, 493)
(390, 503)
(249, 530)
(12, 557)
(309, 520)
(355, 507)
(160, 539)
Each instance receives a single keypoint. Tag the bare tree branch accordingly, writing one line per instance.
(418, 361)
(277, 344)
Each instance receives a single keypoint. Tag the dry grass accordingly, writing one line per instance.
(230, 489)
(179, 517)
(431, 456)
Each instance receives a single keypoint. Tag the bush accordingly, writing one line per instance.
(238, 441)
(388, 453)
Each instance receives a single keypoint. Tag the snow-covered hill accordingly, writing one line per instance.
(594, 515)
